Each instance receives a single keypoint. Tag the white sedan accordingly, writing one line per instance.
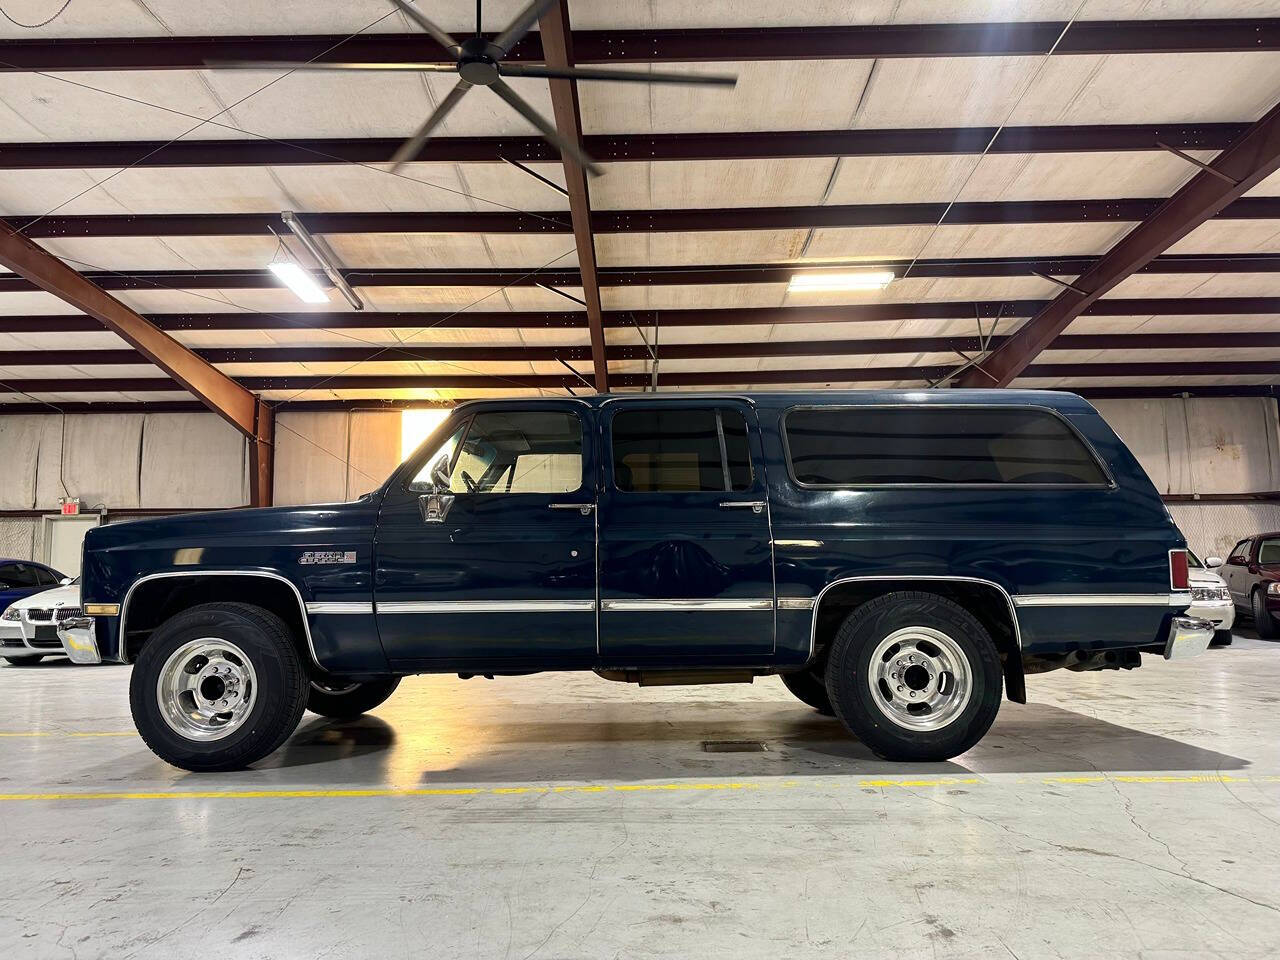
(1210, 598)
(29, 627)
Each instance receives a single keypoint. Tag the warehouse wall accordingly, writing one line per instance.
(1206, 446)
(192, 460)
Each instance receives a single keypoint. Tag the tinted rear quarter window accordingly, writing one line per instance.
(869, 446)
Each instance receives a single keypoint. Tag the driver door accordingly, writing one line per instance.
(498, 569)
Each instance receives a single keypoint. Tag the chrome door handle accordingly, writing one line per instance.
(583, 508)
(757, 506)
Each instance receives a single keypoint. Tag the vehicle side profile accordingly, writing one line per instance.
(1252, 572)
(900, 558)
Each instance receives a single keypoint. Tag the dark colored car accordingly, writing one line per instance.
(1252, 572)
(22, 578)
(900, 558)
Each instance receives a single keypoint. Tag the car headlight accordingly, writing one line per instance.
(12, 613)
(1273, 586)
(1209, 594)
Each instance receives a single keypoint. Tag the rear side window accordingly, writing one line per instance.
(1269, 551)
(867, 446)
(681, 450)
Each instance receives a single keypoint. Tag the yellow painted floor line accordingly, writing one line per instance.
(373, 792)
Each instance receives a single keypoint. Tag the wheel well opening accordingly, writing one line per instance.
(155, 601)
(985, 601)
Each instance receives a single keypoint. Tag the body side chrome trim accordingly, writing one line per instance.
(340, 607)
(1103, 599)
(795, 603)
(270, 575)
(647, 606)
(487, 606)
(817, 601)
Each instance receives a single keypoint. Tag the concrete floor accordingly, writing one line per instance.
(561, 816)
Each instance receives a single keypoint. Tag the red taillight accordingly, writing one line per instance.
(1179, 576)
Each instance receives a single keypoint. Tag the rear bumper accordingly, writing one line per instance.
(1188, 637)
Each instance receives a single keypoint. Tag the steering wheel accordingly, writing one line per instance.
(472, 486)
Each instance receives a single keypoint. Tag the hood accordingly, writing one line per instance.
(212, 526)
(1201, 577)
(68, 596)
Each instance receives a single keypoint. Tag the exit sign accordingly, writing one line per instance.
(70, 506)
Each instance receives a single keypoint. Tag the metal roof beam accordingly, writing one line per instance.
(824, 42)
(1243, 165)
(623, 147)
(558, 50)
(633, 221)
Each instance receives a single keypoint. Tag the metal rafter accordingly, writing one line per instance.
(1243, 165)
(216, 390)
(557, 49)
(638, 147)
(826, 42)
(581, 218)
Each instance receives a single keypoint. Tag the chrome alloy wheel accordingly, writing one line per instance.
(206, 689)
(920, 678)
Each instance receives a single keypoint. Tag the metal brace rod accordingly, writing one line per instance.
(1062, 283)
(1207, 168)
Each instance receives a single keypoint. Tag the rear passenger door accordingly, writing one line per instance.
(686, 560)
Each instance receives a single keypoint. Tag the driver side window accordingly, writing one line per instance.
(535, 451)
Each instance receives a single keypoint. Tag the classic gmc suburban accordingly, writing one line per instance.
(898, 557)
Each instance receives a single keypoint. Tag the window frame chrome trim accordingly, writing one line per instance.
(267, 574)
(1089, 448)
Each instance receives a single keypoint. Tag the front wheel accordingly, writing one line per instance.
(344, 701)
(1262, 618)
(1221, 638)
(25, 661)
(914, 676)
(218, 687)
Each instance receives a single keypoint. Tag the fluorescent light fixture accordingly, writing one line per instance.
(320, 250)
(831, 282)
(299, 281)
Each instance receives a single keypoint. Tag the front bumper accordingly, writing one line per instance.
(79, 639)
(1221, 613)
(23, 638)
(1188, 637)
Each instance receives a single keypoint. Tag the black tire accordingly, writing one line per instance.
(343, 701)
(279, 699)
(849, 664)
(809, 687)
(1221, 638)
(1262, 619)
(25, 661)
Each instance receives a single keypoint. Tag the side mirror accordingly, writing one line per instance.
(440, 474)
(65, 581)
(1212, 563)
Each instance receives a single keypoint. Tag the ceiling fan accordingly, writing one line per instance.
(478, 63)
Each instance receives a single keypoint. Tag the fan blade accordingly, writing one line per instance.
(522, 24)
(630, 76)
(284, 65)
(436, 34)
(548, 130)
(413, 146)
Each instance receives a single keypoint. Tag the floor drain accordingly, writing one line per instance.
(734, 746)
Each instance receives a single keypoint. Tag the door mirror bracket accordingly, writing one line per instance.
(434, 507)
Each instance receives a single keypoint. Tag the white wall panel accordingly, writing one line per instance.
(375, 449)
(311, 457)
(1205, 445)
(21, 437)
(100, 460)
(192, 460)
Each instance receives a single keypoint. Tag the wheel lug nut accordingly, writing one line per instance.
(899, 688)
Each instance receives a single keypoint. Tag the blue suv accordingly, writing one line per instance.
(902, 559)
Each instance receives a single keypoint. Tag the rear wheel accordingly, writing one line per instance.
(809, 687)
(914, 676)
(25, 661)
(1262, 618)
(342, 701)
(218, 687)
